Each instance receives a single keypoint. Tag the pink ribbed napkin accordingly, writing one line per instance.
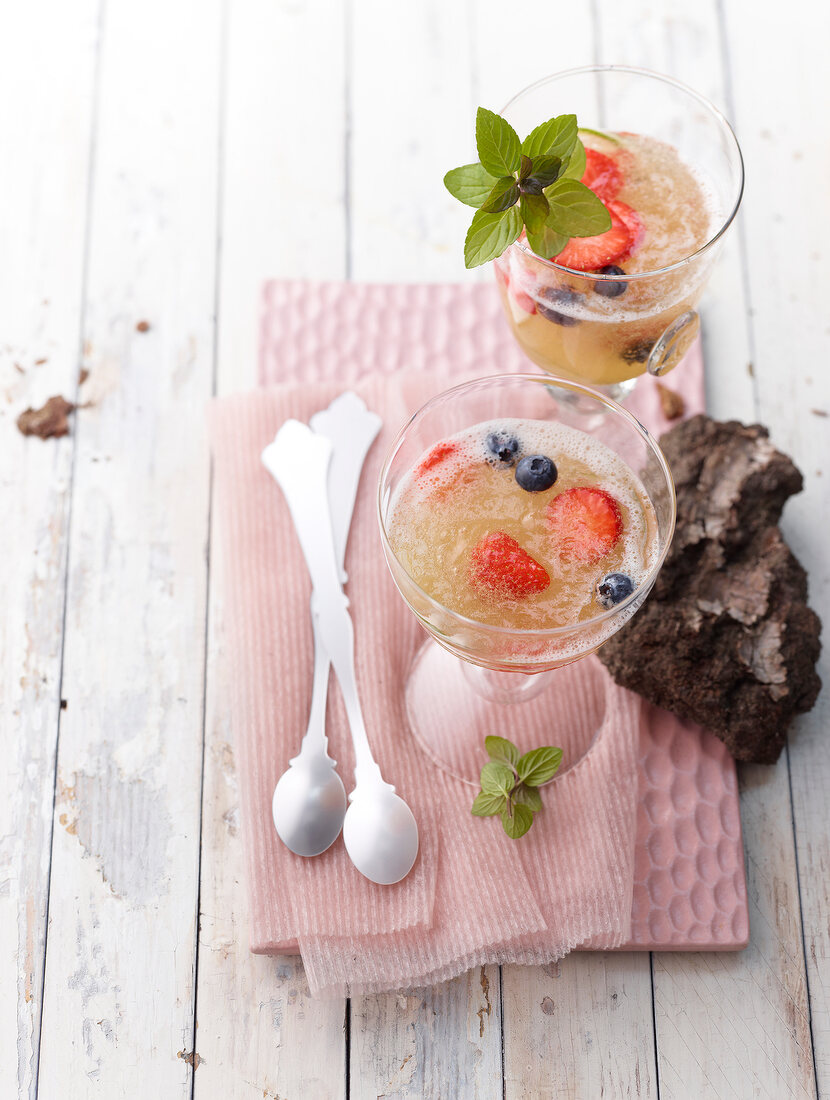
(473, 896)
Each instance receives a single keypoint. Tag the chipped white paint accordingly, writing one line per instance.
(122, 943)
(42, 225)
(119, 993)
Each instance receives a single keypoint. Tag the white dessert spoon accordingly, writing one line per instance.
(379, 830)
(309, 801)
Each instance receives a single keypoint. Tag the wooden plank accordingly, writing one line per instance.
(283, 163)
(578, 1028)
(727, 1026)
(786, 243)
(119, 989)
(412, 118)
(259, 1032)
(438, 1042)
(42, 245)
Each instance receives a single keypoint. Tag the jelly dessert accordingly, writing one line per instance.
(526, 525)
(599, 320)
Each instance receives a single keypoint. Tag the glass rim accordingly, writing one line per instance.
(547, 380)
(701, 99)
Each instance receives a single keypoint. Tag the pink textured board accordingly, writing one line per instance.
(689, 880)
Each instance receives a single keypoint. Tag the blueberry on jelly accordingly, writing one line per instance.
(502, 448)
(613, 589)
(536, 473)
(552, 296)
(610, 288)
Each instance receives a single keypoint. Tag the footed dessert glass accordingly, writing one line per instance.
(668, 163)
(463, 680)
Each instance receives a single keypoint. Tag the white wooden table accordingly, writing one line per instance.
(158, 160)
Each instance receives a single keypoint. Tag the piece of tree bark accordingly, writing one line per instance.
(726, 638)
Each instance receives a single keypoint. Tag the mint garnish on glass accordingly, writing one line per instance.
(531, 184)
(510, 782)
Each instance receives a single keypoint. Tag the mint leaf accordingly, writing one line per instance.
(547, 242)
(502, 751)
(470, 184)
(497, 143)
(575, 168)
(490, 234)
(538, 766)
(497, 779)
(556, 137)
(534, 210)
(487, 805)
(575, 210)
(526, 168)
(546, 169)
(504, 195)
(518, 823)
(527, 796)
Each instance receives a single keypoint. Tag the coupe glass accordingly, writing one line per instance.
(650, 324)
(472, 678)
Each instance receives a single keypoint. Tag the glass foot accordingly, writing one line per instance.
(450, 716)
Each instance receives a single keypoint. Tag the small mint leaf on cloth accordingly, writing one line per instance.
(497, 779)
(498, 144)
(487, 805)
(505, 194)
(517, 823)
(556, 137)
(546, 169)
(527, 796)
(501, 750)
(575, 168)
(575, 210)
(470, 184)
(490, 234)
(538, 766)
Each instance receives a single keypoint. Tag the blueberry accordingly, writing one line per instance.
(637, 353)
(503, 446)
(610, 288)
(559, 296)
(535, 473)
(613, 589)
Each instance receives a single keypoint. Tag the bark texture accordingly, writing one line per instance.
(726, 638)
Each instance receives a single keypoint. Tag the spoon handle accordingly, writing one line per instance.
(299, 461)
(351, 428)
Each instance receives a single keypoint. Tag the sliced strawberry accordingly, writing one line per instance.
(500, 567)
(436, 456)
(502, 278)
(632, 221)
(586, 523)
(592, 253)
(601, 174)
(522, 300)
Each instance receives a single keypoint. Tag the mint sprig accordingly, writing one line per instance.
(532, 185)
(510, 782)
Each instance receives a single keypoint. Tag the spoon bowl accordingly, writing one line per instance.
(309, 805)
(381, 835)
